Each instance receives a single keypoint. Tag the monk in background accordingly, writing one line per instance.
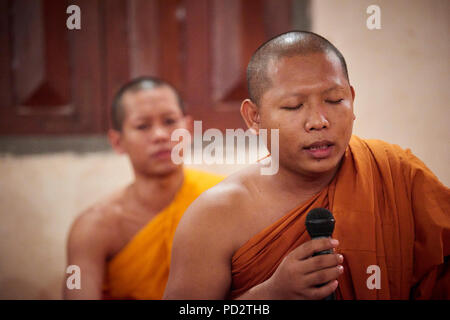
(246, 238)
(123, 243)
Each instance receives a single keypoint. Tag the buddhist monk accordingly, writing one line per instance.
(245, 238)
(122, 244)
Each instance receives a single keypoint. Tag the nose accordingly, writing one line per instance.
(316, 120)
(159, 134)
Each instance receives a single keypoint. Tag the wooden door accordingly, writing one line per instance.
(50, 77)
(59, 81)
(201, 46)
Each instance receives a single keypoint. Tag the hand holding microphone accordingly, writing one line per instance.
(310, 270)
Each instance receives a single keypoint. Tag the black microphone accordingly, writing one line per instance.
(320, 224)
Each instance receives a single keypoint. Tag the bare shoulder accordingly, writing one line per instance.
(89, 245)
(96, 225)
(207, 236)
(219, 212)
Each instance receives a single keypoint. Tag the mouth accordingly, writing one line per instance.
(320, 149)
(162, 154)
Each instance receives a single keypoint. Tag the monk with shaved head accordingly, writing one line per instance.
(122, 243)
(246, 238)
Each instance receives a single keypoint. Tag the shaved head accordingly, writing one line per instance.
(288, 44)
(141, 83)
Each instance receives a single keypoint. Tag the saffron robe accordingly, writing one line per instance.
(141, 269)
(390, 211)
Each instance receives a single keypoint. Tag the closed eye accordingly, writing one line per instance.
(293, 108)
(334, 101)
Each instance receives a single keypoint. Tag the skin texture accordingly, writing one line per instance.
(101, 231)
(310, 100)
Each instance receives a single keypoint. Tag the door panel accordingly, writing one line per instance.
(59, 81)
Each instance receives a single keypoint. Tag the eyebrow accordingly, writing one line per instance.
(169, 113)
(164, 114)
(336, 87)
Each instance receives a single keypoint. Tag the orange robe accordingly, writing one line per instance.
(141, 269)
(390, 211)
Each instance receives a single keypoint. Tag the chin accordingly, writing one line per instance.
(317, 167)
(163, 169)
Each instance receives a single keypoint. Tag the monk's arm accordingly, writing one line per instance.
(203, 248)
(86, 250)
(431, 207)
(200, 264)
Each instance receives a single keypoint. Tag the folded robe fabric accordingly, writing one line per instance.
(141, 269)
(391, 212)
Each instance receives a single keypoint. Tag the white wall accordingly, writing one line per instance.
(39, 197)
(400, 72)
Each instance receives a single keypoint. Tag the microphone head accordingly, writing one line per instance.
(319, 223)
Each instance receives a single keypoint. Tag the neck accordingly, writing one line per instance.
(306, 184)
(153, 193)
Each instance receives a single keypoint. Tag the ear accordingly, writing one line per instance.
(251, 115)
(353, 99)
(115, 139)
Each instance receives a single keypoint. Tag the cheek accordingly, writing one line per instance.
(134, 142)
(343, 128)
(343, 117)
(289, 129)
(283, 121)
(134, 139)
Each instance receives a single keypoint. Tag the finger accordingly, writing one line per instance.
(320, 262)
(323, 276)
(322, 292)
(308, 248)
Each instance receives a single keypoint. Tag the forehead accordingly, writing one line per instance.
(149, 102)
(302, 74)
